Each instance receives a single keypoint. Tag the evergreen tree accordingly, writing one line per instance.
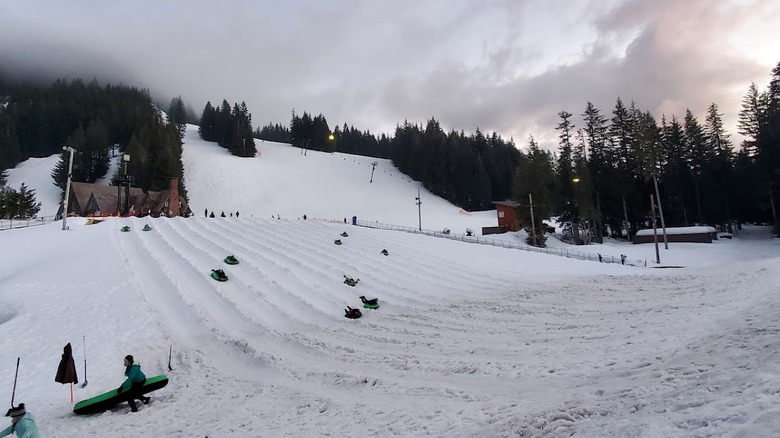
(621, 132)
(768, 159)
(719, 172)
(675, 172)
(535, 176)
(601, 162)
(10, 149)
(95, 153)
(583, 184)
(177, 115)
(208, 122)
(698, 157)
(18, 204)
(569, 211)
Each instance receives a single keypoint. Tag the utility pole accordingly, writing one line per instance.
(126, 182)
(373, 166)
(419, 211)
(67, 186)
(243, 151)
(660, 211)
(533, 223)
(655, 231)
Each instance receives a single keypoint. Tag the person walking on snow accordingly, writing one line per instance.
(22, 423)
(133, 385)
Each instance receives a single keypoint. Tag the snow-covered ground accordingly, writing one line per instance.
(469, 340)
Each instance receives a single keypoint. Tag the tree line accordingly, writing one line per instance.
(98, 122)
(606, 166)
(469, 171)
(230, 127)
(604, 173)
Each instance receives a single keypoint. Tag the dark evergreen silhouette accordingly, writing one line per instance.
(230, 127)
(18, 204)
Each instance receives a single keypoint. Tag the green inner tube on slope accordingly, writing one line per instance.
(215, 276)
(147, 228)
(230, 260)
(337, 241)
(371, 306)
(111, 398)
(124, 229)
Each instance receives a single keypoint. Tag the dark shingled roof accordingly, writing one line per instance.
(87, 199)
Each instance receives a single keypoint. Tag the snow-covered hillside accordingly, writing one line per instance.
(469, 340)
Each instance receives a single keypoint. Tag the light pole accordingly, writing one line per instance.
(576, 225)
(127, 181)
(419, 211)
(67, 186)
(533, 223)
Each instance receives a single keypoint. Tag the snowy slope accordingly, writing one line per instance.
(283, 181)
(469, 340)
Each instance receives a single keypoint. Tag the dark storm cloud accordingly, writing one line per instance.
(501, 65)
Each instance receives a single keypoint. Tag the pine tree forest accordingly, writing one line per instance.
(600, 178)
(97, 121)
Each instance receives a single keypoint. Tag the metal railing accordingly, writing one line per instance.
(7, 224)
(495, 242)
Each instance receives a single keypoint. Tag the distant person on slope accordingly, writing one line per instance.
(22, 423)
(133, 385)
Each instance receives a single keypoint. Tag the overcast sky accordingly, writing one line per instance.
(501, 65)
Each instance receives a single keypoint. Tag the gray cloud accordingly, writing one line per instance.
(502, 65)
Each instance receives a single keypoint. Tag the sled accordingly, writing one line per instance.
(337, 241)
(344, 234)
(218, 275)
(349, 281)
(372, 304)
(352, 313)
(384, 252)
(111, 398)
(231, 260)
(125, 229)
(147, 228)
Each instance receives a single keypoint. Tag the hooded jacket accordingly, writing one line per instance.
(134, 375)
(24, 428)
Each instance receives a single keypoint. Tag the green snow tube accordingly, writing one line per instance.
(231, 260)
(337, 242)
(344, 234)
(111, 398)
(373, 303)
(125, 229)
(384, 252)
(147, 228)
(218, 275)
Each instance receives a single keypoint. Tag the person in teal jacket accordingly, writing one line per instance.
(22, 423)
(132, 387)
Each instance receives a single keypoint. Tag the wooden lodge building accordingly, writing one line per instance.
(94, 200)
(508, 218)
